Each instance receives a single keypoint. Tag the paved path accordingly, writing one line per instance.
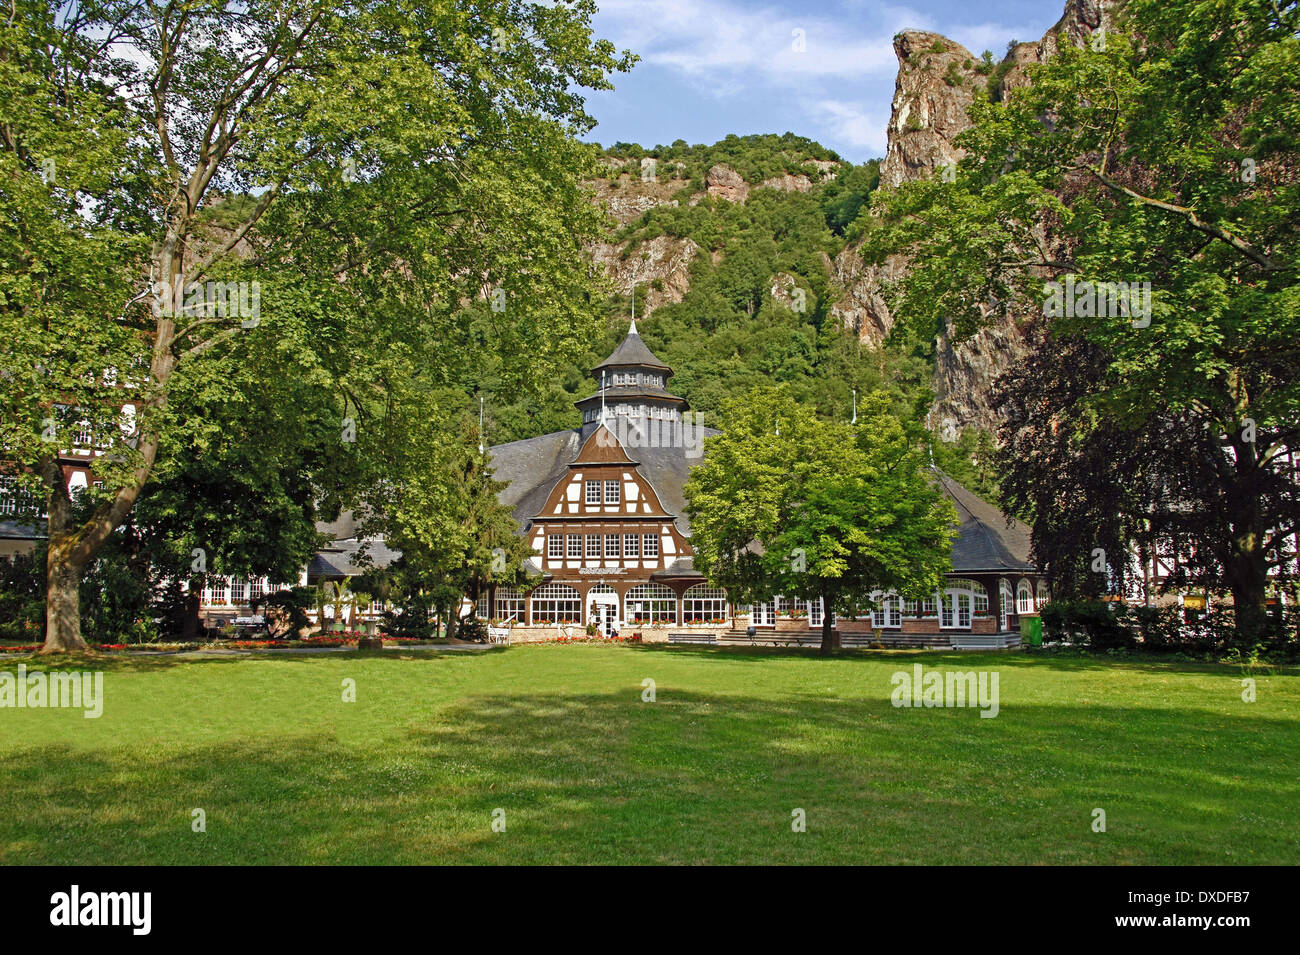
(260, 651)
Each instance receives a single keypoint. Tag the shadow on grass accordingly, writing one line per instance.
(964, 659)
(691, 778)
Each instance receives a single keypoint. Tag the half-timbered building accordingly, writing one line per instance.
(603, 507)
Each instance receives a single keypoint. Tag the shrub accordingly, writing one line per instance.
(1091, 623)
(473, 628)
(22, 598)
(294, 603)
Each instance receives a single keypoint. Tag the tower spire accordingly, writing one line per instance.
(632, 330)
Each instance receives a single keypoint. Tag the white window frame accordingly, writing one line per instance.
(1024, 596)
(704, 604)
(653, 603)
(613, 492)
(592, 491)
(649, 545)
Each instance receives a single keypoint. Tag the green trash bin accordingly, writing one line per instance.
(1031, 630)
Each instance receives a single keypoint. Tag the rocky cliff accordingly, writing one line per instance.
(937, 81)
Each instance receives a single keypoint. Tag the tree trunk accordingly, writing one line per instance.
(830, 639)
(1246, 564)
(190, 625)
(64, 565)
(63, 606)
(1248, 583)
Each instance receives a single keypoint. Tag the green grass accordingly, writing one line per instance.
(586, 772)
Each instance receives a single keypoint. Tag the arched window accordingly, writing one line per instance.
(704, 604)
(1043, 595)
(1007, 599)
(650, 603)
(979, 596)
(556, 603)
(510, 604)
(1024, 597)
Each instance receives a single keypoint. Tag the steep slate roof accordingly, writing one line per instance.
(988, 540)
(533, 465)
(631, 351)
(342, 557)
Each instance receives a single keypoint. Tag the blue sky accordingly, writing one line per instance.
(713, 67)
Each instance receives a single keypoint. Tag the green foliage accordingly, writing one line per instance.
(845, 196)
(754, 157)
(406, 158)
(1095, 624)
(294, 602)
(970, 460)
(439, 505)
(785, 502)
(996, 74)
(1167, 161)
(1106, 625)
(22, 597)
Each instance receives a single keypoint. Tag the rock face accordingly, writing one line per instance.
(661, 266)
(626, 198)
(1082, 19)
(936, 83)
(935, 86)
(862, 308)
(787, 183)
(725, 182)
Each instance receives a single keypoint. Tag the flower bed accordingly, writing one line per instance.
(337, 639)
(634, 638)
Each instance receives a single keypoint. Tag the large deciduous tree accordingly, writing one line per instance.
(786, 502)
(1164, 152)
(393, 161)
(440, 506)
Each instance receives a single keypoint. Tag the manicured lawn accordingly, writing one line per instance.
(558, 737)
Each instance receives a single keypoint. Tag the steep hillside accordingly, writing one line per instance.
(682, 241)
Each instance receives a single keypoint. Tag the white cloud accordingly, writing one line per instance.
(714, 40)
(852, 124)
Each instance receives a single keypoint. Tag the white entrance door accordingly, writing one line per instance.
(955, 610)
(763, 615)
(603, 609)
